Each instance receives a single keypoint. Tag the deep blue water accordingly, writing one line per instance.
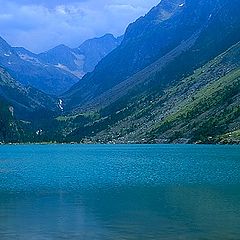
(119, 192)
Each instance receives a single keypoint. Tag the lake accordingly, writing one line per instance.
(119, 192)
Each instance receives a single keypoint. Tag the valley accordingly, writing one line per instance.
(172, 78)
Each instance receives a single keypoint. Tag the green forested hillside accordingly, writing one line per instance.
(22, 109)
(203, 107)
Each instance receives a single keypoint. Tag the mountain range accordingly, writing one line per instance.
(191, 30)
(59, 68)
(83, 59)
(174, 77)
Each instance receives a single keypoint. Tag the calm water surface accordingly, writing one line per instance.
(87, 192)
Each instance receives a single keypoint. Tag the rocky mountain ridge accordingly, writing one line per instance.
(57, 69)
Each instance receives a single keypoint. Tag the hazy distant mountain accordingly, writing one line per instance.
(83, 59)
(96, 49)
(25, 66)
(58, 69)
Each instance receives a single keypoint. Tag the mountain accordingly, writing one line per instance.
(172, 34)
(57, 69)
(83, 59)
(96, 49)
(201, 108)
(25, 66)
(174, 78)
(64, 58)
(24, 101)
(23, 110)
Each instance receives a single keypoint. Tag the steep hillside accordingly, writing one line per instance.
(13, 130)
(24, 110)
(25, 101)
(169, 36)
(203, 107)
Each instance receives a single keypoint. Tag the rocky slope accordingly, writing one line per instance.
(155, 103)
(201, 108)
(171, 34)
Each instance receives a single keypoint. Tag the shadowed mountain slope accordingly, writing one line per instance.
(203, 107)
(172, 40)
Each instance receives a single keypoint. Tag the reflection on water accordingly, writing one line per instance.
(142, 192)
(137, 213)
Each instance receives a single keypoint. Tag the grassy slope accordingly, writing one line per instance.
(211, 111)
(203, 107)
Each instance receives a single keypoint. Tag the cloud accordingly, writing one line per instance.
(40, 25)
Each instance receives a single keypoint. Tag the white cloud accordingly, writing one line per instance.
(38, 25)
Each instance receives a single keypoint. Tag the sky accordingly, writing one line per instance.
(39, 25)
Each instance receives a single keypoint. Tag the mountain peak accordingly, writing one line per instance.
(61, 48)
(97, 40)
(107, 35)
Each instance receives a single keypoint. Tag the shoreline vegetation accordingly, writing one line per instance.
(233, 143)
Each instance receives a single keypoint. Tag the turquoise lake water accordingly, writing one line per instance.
(93, 192)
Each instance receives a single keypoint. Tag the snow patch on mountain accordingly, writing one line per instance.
(80, 59)
(76, 73)
(28, 58)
